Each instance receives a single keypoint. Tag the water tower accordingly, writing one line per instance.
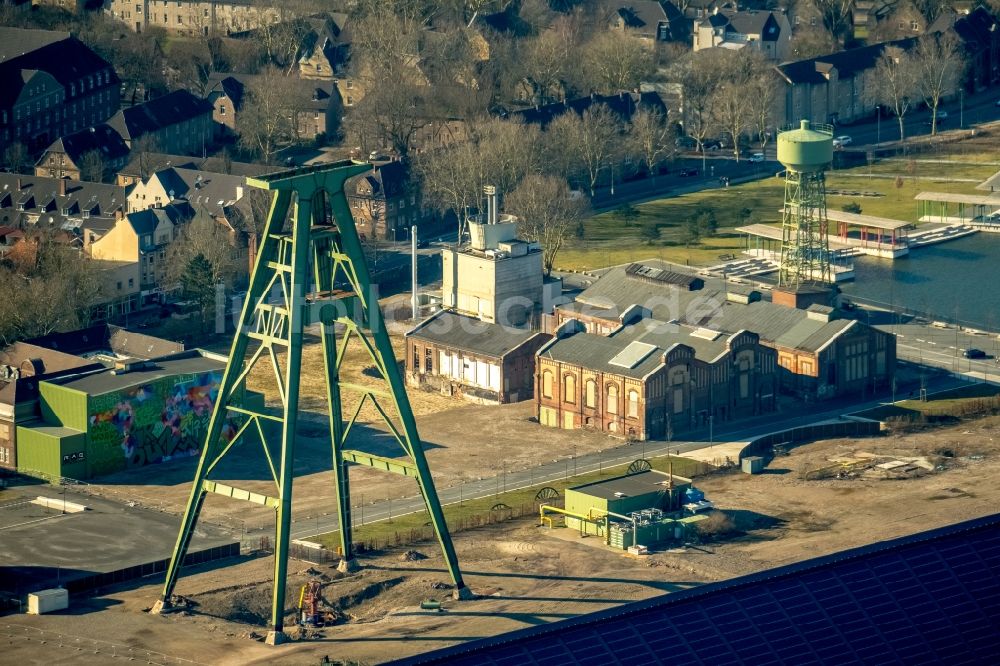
(805, 273)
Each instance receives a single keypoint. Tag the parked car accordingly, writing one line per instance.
(756, 157)
(684, 173)
(942, 114)
(842, 141)
(974, 353)
(685, 143)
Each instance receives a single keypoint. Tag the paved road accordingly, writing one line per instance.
(621, 454)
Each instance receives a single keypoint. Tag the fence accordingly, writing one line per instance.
(764, 445)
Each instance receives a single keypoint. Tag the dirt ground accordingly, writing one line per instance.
(463, 441)
(528, 575)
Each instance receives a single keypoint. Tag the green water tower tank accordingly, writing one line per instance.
(807, 149)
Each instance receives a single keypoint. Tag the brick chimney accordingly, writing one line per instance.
(62, 187)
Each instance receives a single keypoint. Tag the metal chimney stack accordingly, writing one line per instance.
(491, 203)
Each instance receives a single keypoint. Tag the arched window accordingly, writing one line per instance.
(569, 388)
(612, 399)
(591, 393)
(633, 404)
(547, 384)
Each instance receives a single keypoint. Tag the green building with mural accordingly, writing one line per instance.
(137, 413)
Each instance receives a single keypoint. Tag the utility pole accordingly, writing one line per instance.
(413, 268)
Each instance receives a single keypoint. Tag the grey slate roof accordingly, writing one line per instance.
(151, 116)
(157, 161)
(593, 351)
(101, 138)
(41, 198)
(848, 63)
(776, 324)
(202, 189)
(59, 54)
(458, 331)
(15, 42)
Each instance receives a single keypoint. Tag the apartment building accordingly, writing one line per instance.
(194, 17)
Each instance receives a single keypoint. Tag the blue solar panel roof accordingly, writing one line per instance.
(928, 598)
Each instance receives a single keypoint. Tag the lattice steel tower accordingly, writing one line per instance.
(805, 246)
(313, 261)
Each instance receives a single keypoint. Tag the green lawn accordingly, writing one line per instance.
(608, 242)
(414, 527)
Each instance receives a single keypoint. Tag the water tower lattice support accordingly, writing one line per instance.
(805, 237)
(318, 247)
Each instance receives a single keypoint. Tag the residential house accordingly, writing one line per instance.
(178, 122)
(650, 379)
(384, 202)
(325, 47)
(766, 31)
(624, 105)
(142, 165)
(176, 195)
(979, 32)
(84, 151)
(142, 238)
(194, 17)
(699, 9)
(646, 19)
(65, 207)
(820, 354)
(485, 362)
(51, 85)
(212, 192)
(893, 19)
(318, 105)
(836, 88)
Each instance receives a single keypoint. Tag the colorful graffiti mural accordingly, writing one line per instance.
(153, 422)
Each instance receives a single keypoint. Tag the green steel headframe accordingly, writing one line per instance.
(305, 260)
(805, 237)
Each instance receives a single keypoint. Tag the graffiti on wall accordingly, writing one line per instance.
(154, 422)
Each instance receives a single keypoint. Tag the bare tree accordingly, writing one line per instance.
(899, 74)
(617, 61)
(16, 157)
(546, 59)
(142, 148)
(836, 15)
(269, 116)
(651, 137)
(499, 153)
(939, 64)
(92, 166)
(699, 78)
(590, 142)
(762, 93)
(189, 65)
(731, 106)
(208, 238)
(810, 42)
(547, 212)
(46, 286)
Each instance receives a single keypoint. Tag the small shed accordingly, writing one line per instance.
(47, 601)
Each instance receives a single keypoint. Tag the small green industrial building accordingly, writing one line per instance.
(629, 510)
(135, 414)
